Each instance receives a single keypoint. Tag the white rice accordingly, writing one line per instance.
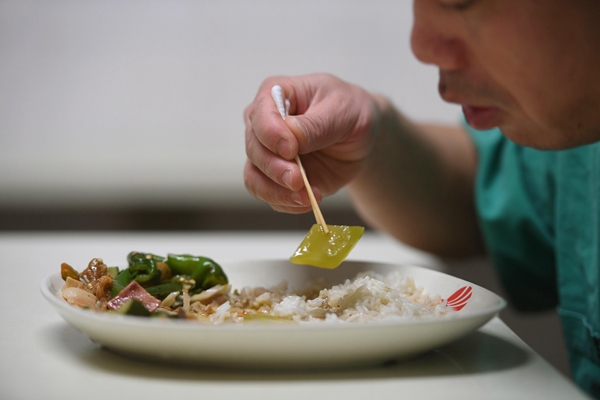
(367, 297)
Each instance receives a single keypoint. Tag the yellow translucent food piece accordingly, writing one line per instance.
(327, 250)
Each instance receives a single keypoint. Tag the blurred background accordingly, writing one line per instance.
(127, 115)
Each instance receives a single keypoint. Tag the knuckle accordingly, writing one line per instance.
(271, 169)
(248, 177)
(250, 145)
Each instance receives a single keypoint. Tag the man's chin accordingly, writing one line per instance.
(481, 118)
(543, 140)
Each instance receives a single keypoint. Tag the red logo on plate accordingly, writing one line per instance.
(459, 298)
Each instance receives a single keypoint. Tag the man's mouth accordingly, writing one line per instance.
(481, 118)
(454, 87)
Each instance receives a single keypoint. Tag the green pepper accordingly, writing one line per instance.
(204, 271)
(112, 271)
(142, 268)
(119, 282)
(136, 257)
(164, 289)
(66, 271)
(134, 307)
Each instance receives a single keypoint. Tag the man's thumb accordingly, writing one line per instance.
(309, 130)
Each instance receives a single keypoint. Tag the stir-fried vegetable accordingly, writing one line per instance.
(142, 268)
(134, 307)
(205, 272)
(66, 271)
(148, 280)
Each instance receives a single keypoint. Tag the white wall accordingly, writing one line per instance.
(116, 102)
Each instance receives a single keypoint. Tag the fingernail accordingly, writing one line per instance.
(296, 198)
(287, 178)
(284, 148)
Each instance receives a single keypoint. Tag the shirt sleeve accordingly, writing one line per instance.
(513, 195)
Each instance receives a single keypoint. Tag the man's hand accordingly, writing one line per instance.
(331, 126)
(412, 181)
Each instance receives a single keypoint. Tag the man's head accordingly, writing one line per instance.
(530, 67)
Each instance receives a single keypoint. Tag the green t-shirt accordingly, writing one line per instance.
(540, 215)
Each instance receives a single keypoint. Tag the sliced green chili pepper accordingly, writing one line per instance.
(164, 289)
(66, 271)
(204, 271)
(135, 257)
(142, 268)
(119, 282)
(113, 271)
(215, 277)
(134, 307)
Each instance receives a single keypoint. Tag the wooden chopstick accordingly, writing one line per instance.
(311, 196)
(283, 108)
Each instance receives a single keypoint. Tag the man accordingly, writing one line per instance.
(528, 192)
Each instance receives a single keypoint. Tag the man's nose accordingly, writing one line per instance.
(434, 41)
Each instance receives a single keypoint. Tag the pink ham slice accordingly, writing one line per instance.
(134, 291)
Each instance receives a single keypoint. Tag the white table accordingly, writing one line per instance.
(42, 357)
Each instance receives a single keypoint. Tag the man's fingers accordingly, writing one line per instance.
(283, 172)
(269, 127)
(279, 197)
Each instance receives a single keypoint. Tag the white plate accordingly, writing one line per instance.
(286, 345)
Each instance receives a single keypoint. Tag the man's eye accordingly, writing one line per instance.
(459, 5)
